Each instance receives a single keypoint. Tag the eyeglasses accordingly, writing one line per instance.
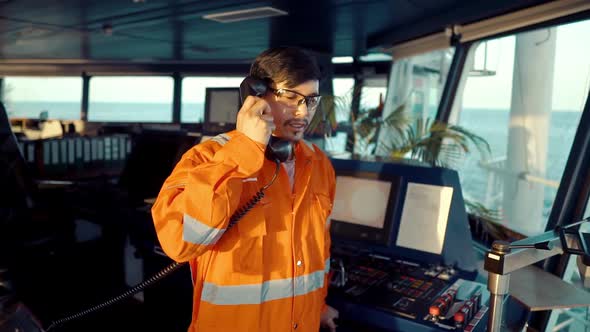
(311, 101)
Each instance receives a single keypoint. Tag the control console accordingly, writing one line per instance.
(432, 295)
(401, 250)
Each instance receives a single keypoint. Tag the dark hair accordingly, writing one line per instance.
(289, 65)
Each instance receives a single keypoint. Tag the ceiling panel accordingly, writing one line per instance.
(175, 29)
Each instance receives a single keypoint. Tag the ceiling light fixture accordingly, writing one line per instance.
(245, 14)
(342, 59)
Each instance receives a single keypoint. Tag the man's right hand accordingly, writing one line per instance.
(255, 119)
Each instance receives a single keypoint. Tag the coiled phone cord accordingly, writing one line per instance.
(239, 214)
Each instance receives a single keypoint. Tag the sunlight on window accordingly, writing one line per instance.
(343, 89)
(193, 95)
(372, 96)
(130, 99)
(57, 98)
(527, 105)
(416, 85)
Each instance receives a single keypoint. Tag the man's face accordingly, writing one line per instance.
(290, 108)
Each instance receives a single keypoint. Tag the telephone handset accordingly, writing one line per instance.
(277, 148)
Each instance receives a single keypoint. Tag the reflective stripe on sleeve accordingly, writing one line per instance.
(196, 232)
(327, 268)
(221, 139)
(263, 292)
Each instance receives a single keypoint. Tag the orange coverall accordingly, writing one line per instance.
(269, 271)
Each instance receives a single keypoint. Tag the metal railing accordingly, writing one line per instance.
(497, 174)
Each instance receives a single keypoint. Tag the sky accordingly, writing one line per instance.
(571, 79)
(571, 75)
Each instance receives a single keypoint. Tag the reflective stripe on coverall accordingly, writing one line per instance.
(269, 272)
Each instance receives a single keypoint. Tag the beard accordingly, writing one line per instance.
(293, 129)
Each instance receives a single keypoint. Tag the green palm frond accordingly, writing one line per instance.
(480, 210)
(397, 120)
(436, 143)
(479, 142)
(326, 113)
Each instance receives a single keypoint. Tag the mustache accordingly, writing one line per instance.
(296, 121)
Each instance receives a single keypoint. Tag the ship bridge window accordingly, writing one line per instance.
(193, 95)
(343, 88)
(415, 86)
(373, 92)
(524, 94)
(130, 99)
(50, 98)
(372, 95)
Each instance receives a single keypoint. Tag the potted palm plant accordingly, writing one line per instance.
(426, 140)
(433, 142)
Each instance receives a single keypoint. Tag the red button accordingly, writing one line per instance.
(434, 310)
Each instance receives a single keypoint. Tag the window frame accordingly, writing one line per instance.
(573, 193)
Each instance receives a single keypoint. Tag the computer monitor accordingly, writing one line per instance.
(401, 209)
(221, 110)
(364, 205)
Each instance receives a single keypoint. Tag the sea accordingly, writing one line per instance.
(491, 124)
(106, 111)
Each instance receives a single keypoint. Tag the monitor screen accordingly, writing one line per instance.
(363, 207)
(221, 105)
(361, 201)
(401, 209)
(423, 223)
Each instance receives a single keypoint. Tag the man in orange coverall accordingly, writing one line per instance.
(268, 273)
